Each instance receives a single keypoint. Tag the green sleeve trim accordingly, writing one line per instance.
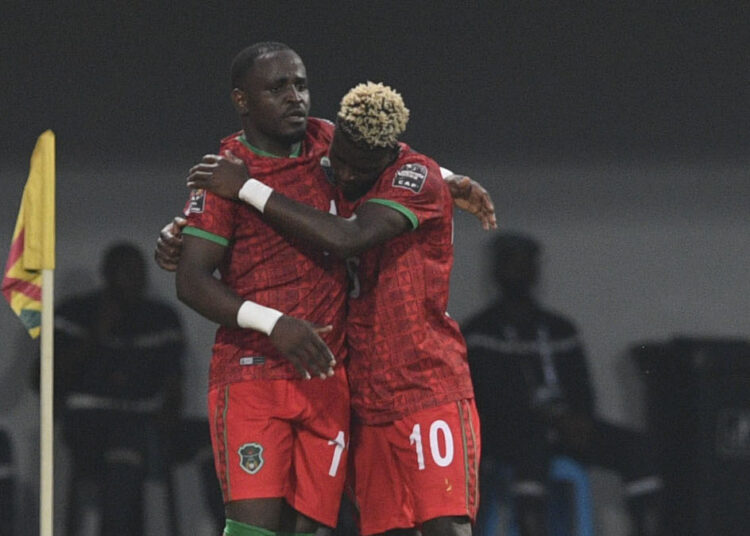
(235, 528)
(200, 233)
(400, 208)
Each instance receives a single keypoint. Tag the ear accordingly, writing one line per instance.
(239, 99)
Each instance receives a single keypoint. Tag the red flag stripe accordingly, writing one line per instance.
(16, 250)
(24, 287)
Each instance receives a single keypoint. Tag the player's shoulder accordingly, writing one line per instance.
(408, 155)
(319, 127)
(415, 171)
(231, 139)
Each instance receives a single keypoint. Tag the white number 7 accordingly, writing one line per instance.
(337, 451)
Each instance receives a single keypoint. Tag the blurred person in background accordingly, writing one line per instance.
(8, 486)
(535, 397)
(118, 361)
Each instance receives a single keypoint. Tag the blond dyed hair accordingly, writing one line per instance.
(373, 115)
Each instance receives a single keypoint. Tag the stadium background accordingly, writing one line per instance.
(618, 135)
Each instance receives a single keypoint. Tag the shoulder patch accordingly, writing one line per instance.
(197, 201)
(410, 177)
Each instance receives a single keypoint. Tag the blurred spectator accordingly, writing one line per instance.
(535, 397)
(192, 444)
(118, 370)
(7, 485)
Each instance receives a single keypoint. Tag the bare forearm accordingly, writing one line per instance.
(208, 296)
(340, 236)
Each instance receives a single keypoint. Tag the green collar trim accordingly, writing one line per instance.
(294, 153)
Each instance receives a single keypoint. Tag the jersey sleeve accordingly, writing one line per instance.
(210, 216)
(415, 189)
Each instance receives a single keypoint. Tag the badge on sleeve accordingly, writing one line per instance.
(197, 201)
(411, 177)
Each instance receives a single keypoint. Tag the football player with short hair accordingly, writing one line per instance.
(415, 443)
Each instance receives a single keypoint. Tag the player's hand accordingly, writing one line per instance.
(299, 341)
(222, 175)
(169, 244)
(471, 196)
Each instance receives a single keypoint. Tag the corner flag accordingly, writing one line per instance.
(33, 247)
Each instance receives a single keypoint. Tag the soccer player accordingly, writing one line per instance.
(415, 443)
(285, 147)
(279, 442)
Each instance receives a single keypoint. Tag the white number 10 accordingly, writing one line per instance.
(441, 459)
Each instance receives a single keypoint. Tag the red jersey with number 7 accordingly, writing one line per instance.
(262, 266)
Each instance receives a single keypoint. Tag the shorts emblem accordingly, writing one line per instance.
(251, 457)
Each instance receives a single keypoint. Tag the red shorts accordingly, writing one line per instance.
(417, 468)
(283, 438)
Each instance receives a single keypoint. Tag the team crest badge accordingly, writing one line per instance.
(251, 457)
(197, 201)
(410, 177)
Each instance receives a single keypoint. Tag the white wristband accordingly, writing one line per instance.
(445, 172)
(255, 193)
(254, 316)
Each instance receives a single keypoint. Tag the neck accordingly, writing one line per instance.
(269, 146)
(520, 306)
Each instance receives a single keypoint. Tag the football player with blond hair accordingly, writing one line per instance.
(415, 439)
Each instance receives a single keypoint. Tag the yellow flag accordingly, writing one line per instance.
(33, 246)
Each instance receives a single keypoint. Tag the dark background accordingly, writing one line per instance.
(615, 132)
(517, 80)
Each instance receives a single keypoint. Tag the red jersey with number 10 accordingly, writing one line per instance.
(405, 353)
(262, 266)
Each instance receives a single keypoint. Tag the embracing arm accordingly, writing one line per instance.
(371, 224)
(471, 197)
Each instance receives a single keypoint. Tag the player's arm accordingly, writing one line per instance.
(371, 224)
(225, 176)
(296, 339)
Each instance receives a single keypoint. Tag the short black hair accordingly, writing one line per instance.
(118, 253)
(245, 59)
(508, 242)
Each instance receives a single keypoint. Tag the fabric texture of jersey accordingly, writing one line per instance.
(406, 353)
(283, 439)
(417, 468)
(262, 266)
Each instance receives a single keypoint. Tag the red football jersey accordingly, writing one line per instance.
(262, 266)
(405, 353)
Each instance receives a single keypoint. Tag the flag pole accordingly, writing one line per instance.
(46, 390)
(27, 285)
